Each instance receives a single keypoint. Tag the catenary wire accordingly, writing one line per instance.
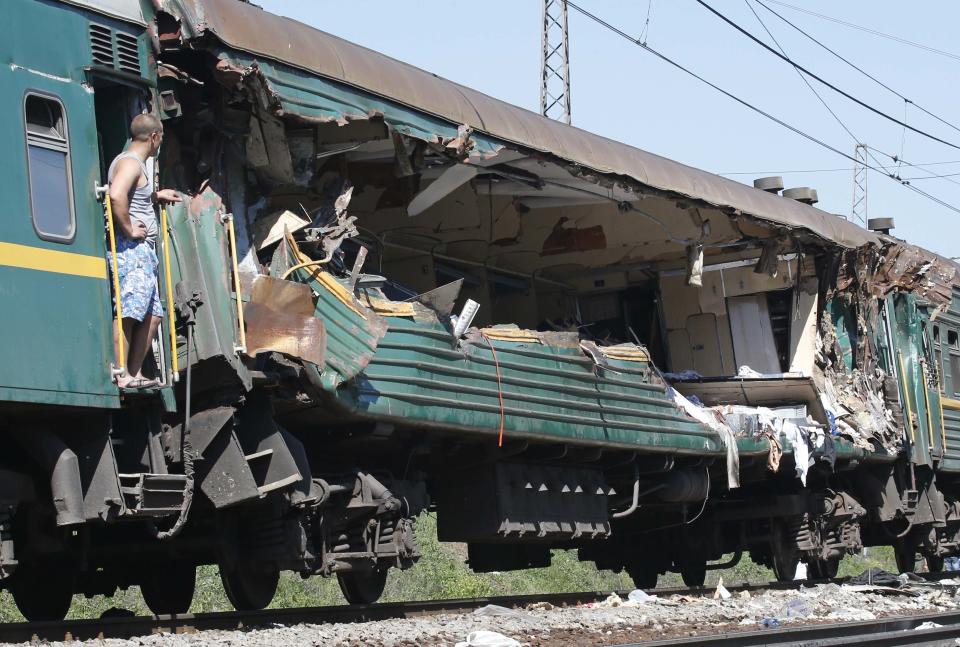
(868, 30)
(859, 69)
(829, 170)
(745, 103)
(897, 159)
(830, 85)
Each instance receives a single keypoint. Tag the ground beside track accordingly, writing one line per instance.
(673, 616)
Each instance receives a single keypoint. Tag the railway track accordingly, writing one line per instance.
(882, 632)
(131, 626)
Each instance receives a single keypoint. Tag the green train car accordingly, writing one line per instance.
(386, 293)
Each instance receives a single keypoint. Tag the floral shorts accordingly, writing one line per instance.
(137, 269)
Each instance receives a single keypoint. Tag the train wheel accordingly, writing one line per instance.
(169, 589)
(249, 589)
(823, 569)
(694, 574)
(643, 576)
(935, 564)
(43, 590)
(784, 557)
(362, 588)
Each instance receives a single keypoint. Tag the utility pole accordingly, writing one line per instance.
(859, 211)
(555, 62)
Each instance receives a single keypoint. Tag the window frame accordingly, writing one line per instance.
(68, 163)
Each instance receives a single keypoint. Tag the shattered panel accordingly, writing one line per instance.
(280, 317)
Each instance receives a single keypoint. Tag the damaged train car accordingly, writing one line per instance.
(387, 293)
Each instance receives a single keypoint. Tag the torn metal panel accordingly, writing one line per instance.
(353, 330)
(280, 317)
(913, 269)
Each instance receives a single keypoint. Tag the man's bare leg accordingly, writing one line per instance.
(128, 334)
(143, 334)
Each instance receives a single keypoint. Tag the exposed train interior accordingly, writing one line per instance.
(536, 242)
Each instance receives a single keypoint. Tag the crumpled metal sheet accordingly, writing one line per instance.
(280, 318)
(914, 269)
(248, 28)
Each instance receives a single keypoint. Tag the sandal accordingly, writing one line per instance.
(140, 383)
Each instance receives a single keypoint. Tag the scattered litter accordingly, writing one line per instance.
(497, 610)
(613, 600)
(877, 576)
(745, 595)
(721, 592)
(484, 638)
(640, 597)
(770, 623)
(929, 624)
(797, 608)
(539, 606)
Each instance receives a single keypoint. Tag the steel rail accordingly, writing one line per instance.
(128, 627)
(888, 631)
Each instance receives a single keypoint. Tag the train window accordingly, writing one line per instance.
(48, 156)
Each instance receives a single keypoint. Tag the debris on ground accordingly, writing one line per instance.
(616, 619)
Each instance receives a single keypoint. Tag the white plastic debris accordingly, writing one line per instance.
(721, 593)
(485, 638)
(640, 597)
(929, 624)
(497, 610)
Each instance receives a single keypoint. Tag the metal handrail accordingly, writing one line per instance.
(118, 310)
(227, 219)
(169, 289)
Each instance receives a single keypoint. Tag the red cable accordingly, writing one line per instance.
(496, 363)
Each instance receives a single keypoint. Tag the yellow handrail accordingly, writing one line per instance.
(118, 311)
(926, 402)
(174, 359)
(228, 219)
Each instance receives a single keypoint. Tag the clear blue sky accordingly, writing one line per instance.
(620, 91)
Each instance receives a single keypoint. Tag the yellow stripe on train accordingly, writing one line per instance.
(950, 403)
(49, 260)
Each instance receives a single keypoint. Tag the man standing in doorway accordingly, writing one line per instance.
(131, 181)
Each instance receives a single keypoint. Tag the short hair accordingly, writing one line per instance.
(143, 126)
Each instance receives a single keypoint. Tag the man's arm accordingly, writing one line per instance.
(125, 177)
(167, 196)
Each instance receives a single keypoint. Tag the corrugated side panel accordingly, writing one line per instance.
(351, 337)
(951, 424)
(417, 374)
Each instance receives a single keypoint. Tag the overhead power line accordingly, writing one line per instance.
(859, 69)
(749, 105)
(824, 81)
(898, 39)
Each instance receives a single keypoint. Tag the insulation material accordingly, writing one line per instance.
(710, 419)
(753, 343)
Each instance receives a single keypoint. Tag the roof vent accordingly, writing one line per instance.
(880, 225)
(772, 184)
(128, 54)
(802, 194)
(101, 45)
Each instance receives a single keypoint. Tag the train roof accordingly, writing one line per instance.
(248, 28)
(128, 10)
